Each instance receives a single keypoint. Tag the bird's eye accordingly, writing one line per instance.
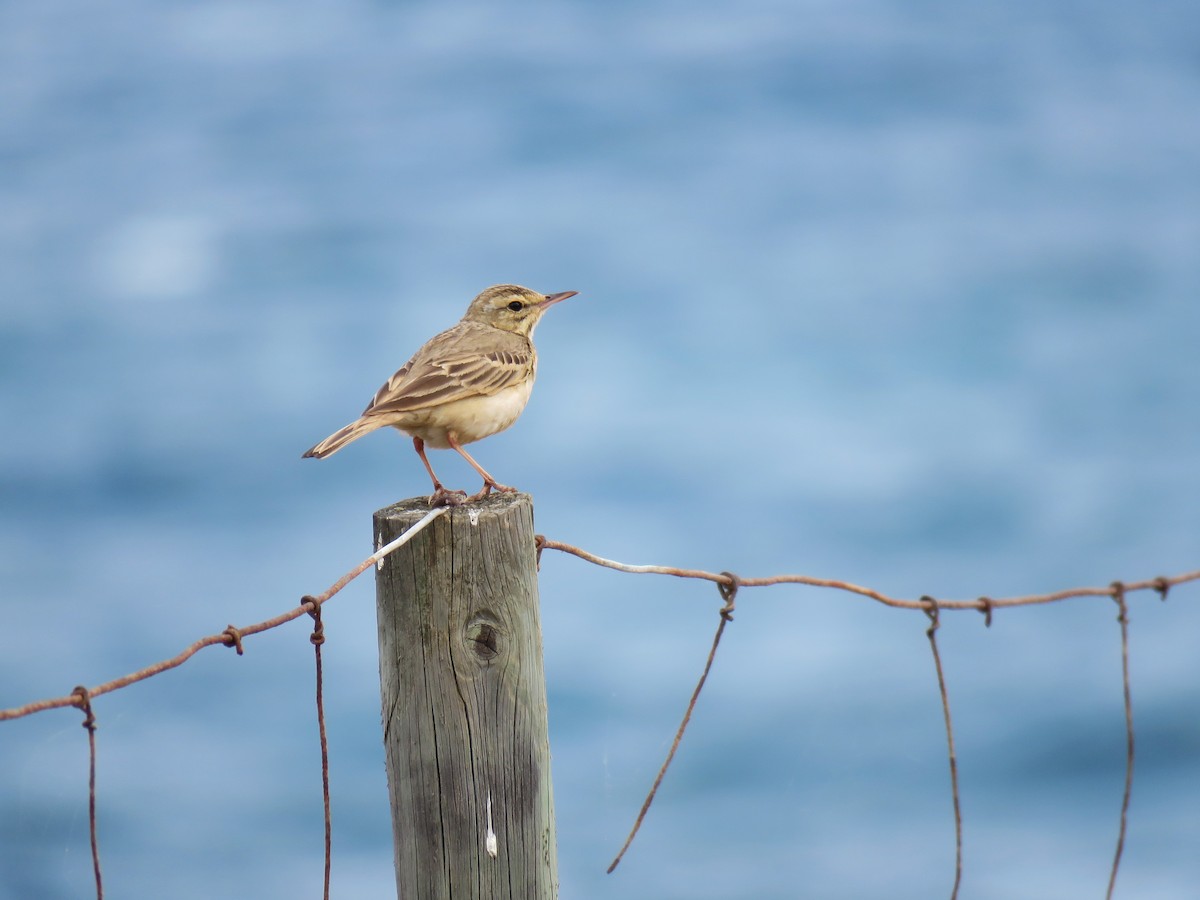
(516, 306)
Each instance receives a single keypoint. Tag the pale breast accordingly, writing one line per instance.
(471, 419)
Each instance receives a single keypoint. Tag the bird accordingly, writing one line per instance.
(467, 383)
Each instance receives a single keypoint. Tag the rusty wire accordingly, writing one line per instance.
(933, 610)
(984, 605)
(729, 595)
(727, 583)
(318, 640)
(83, 699)
(1117, 592)
(230, 637)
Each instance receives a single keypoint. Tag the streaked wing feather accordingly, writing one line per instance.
(389, 386)
(446, 370)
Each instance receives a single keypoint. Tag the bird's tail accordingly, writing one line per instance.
(342, 437)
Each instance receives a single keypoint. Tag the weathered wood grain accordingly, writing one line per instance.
(464, 703)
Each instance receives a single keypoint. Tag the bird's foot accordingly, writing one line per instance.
(443, 497)
(487, 489)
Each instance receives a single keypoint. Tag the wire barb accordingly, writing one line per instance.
(318, 635)
(1162, 584)
(1118, 595)
(933, 611)
(728, 590)
(83, 699)
(232, 637)
(985, 607)
(84, 702)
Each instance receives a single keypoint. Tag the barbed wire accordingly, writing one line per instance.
(232, 636)
(727, 581)
(985, 605)
(728, 585)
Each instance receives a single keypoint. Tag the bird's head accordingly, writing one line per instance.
(511, 307)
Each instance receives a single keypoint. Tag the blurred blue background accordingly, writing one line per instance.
(902, 293)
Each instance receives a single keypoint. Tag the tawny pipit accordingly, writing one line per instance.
(467, 383)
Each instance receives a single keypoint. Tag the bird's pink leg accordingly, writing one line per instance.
(488, 481)
(440, 496)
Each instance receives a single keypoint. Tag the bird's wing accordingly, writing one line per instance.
(454, 365)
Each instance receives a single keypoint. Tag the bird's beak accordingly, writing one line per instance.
(551, 299)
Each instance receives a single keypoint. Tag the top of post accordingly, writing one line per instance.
(415, 507)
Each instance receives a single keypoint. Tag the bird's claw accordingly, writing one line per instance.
(443, 497)
(488, 486)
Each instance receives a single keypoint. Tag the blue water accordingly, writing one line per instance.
(901, 293)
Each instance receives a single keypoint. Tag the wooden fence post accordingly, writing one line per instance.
(464, 703)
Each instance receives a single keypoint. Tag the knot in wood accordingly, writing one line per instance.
(483, 636)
